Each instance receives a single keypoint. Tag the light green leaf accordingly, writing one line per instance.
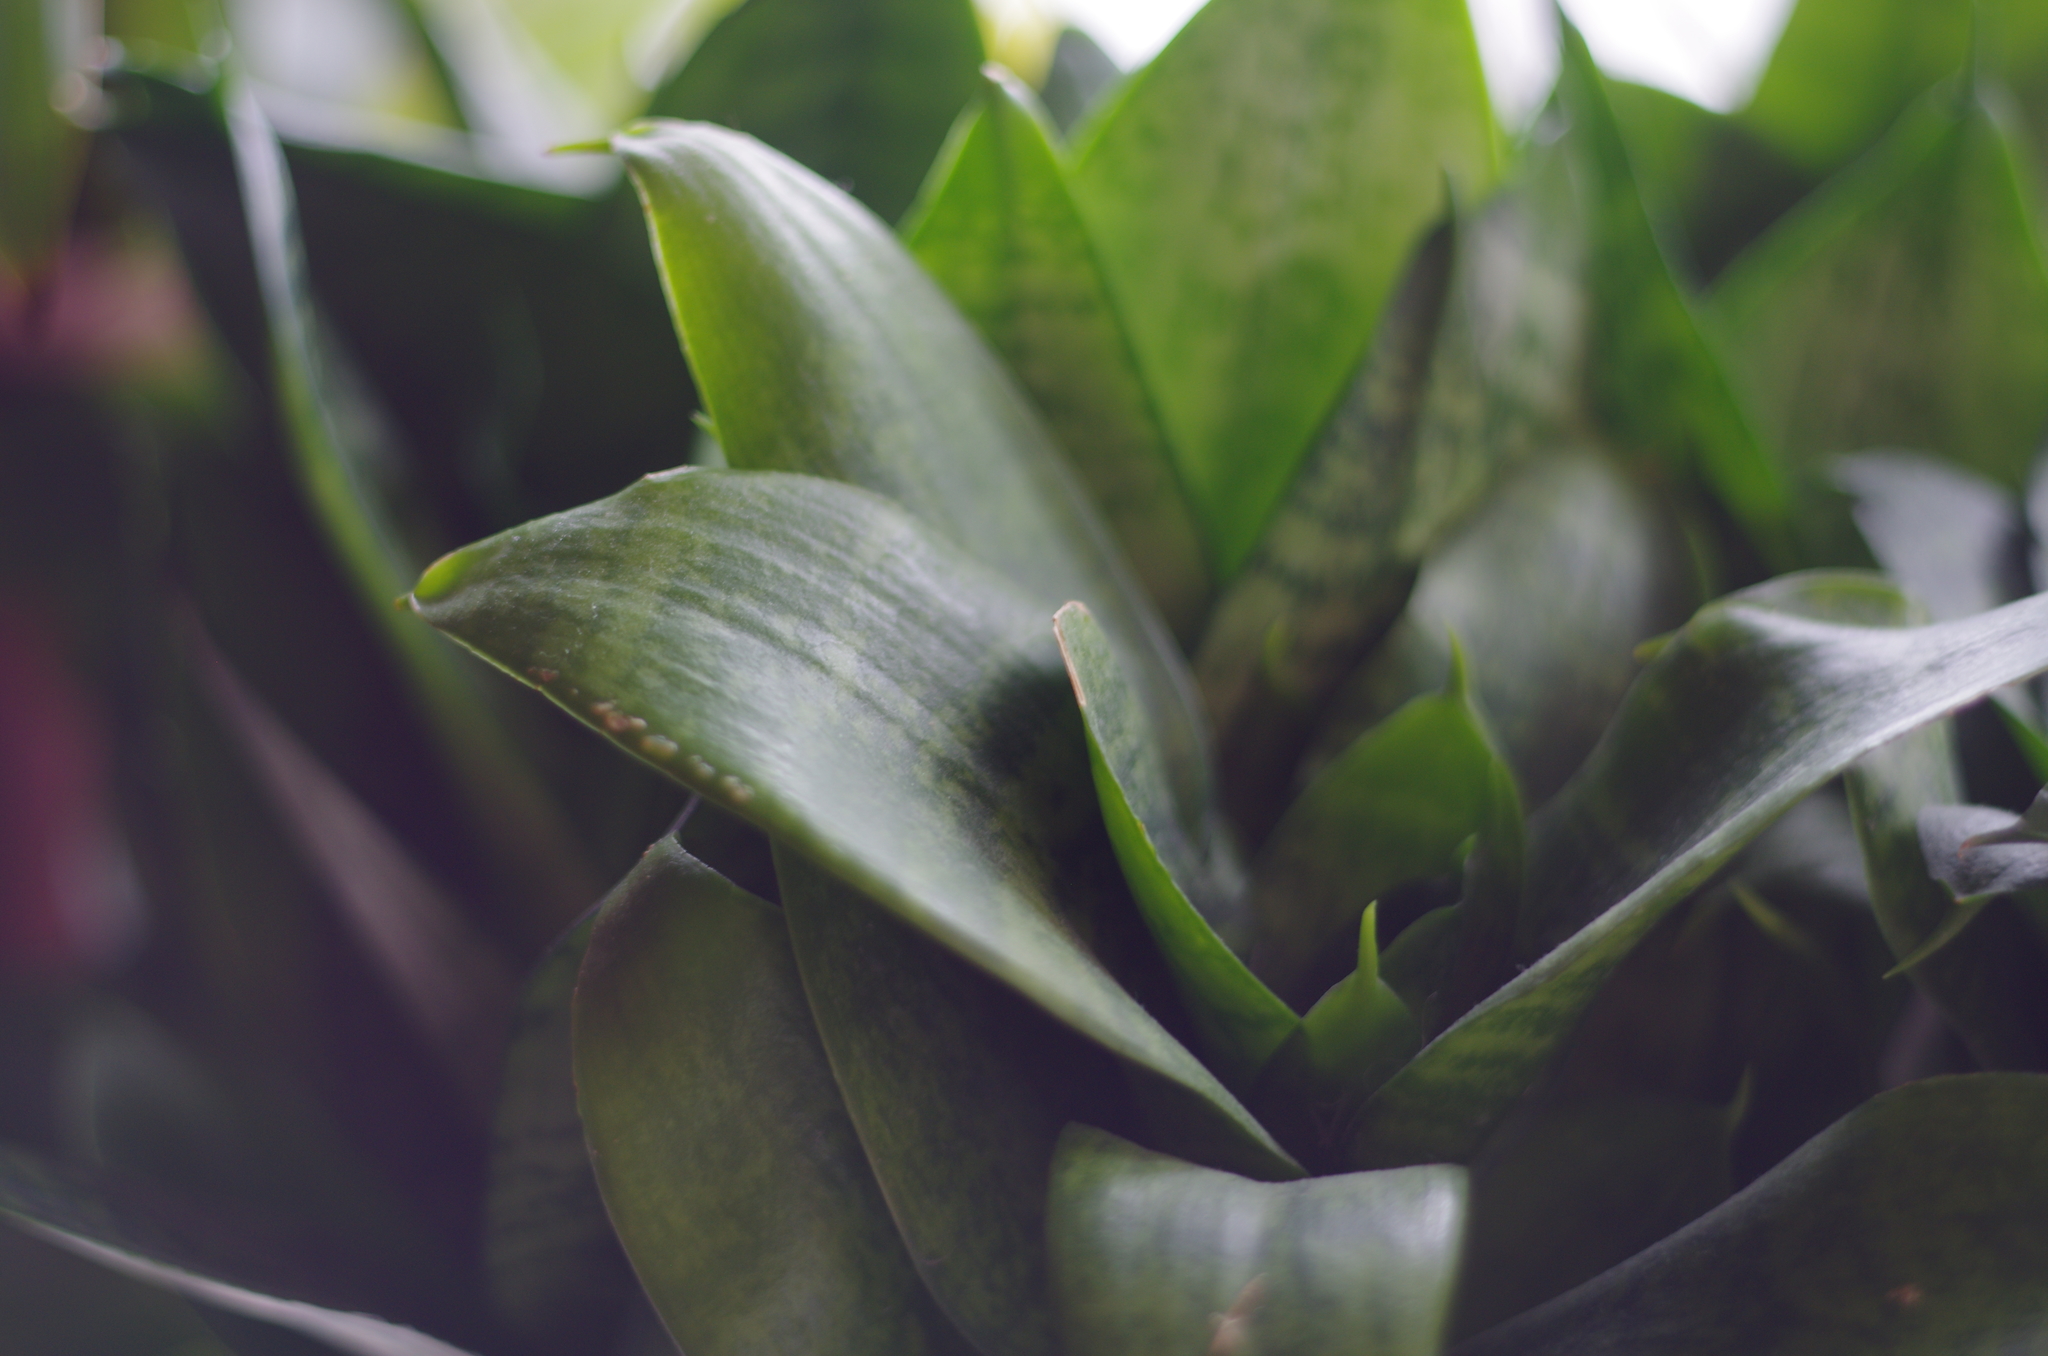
(1154, 1257)
(807, 655)
(1750, 707)
(1905, 304)
(1911, 1226)
(998, 230)
(1255, 192)
(859, 91)
(730, 1169)
(1189, 889)
(820, 346)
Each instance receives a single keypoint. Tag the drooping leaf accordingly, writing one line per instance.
(1745, 711)
(1080, 74)
(1153, 1255)
(903, 719)
(820, 346)
(1905, 304)
(997, 228)
(1190, 889)
(731, 1172)
(1911, 1226)
(1254, 192)
(861, 92)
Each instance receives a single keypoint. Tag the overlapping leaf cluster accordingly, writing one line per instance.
(1285, 736)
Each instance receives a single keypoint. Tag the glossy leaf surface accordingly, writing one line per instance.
(1745, 711)
(1152, 1255)
(1911, 1226)
(730, 1169)
(902, 720)
(1255, 192)
(998, 229)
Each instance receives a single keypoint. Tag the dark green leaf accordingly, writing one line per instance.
(1749, 708)
(1189, 889)
(998, 229)
(41, 151)
(820, 346)
(1080, 74)
(1255, 192)
(1151, 1255)
(808, 655)
(1912, 1226)
(733, 1177)
(859, 91)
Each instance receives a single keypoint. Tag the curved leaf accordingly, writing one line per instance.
(1745, 711)
(1911, 1226)
(1254, 192)
(805, 654)
(998, 230)
(1154, 1255)
(731, 1172)
(820, 346)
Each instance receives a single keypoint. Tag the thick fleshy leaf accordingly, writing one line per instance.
(1745, 711)
(1911, 1226)
(732, 1174)
(820, 346)
(41, 151)
(1905, 304)
(1154, 1255)
(998, 230)
(1255, 192)
(196, 1258)
(807, 655)
(1189, 889)
(1080, 74)
(859, 91)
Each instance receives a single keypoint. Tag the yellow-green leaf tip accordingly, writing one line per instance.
(442, 578)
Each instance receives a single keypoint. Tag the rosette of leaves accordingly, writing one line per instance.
(1222, 818)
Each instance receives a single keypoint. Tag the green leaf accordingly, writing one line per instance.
(59, 1304)
(1911, 1226)
(1255, 192)
(820, 346)
(1904, 304)
(199, 1258)
(41, 150)
(1189, 889)
(1394, 807)
(859, 91)
(806, 654)
(1154, 1255)
(731, 1172)
(1750, 707)
(1078, 77)
(1954, 540)
(998, 230)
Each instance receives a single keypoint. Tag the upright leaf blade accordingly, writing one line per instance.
(41, 151)
(1255, 191)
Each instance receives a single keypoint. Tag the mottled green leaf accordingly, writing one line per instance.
(1154, 1257)
(1744, 712)
(1254, 192)
(997, 227)
(732, 1174)
(807, 655)
(1911, 1226)
(41, 151)
(1905, 304)
(859, 91)
(1190, 889)
(1079, 75)
(820, 346)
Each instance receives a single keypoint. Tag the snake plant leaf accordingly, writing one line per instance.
(903, 719)
(1746, 710)
(958, 1089)
(1904, 304)
(1190, 890)
(997, 228)
(731, 1172)
(1392, 808)
(861, 92)
(820, 346)
(1912, 1226)
(1310, 128)
(1081, 73)
(1154, 1256)
(41, 150)
(199, 1263)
